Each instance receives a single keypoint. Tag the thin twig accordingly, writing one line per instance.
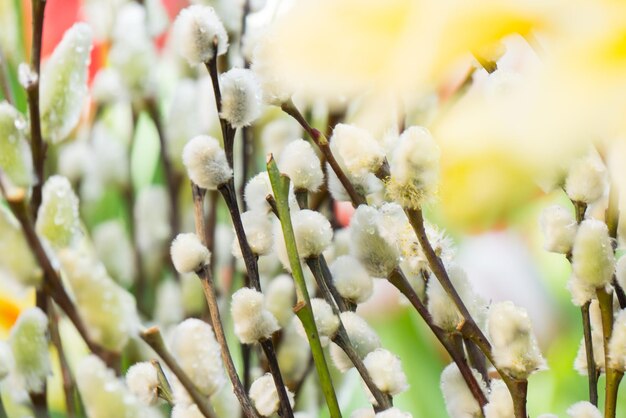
(250, 260)
(322, 142)
(38, 146)
(270, 354)
(592, 373)
(613, 376)
(68, 381)
(52, 282)
(208, 286)
(436, 265)
(398, 279)
(152, 337)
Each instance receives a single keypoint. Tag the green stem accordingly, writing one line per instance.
(592, 373)
(613, 376)
(280, 186)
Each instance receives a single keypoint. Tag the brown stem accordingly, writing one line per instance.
(208, 287)
(270, 354)
(592, 372)
(398, 279)
(52, 284)
(322, 142)
(228, 192)
(66, 374)
(40, 405)
(228, 132)
(383, 400)
(171, 179)
(436, 265)
(477, 359)
(38, 146)
(325, 283)
(152, 337)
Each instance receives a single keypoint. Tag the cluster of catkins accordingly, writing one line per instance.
(395, 176)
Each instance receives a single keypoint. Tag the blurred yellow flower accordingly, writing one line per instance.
(332, 49)
(11, 304)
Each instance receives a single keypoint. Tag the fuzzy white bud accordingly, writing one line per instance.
(280, 297)
(256, 190)
(107, 86)
(57, 218)
(206, 162)
(386, 371)
(264, 395)
(199, 355)
(293, 353)
(168, 306)
(357, 148)
(414, 168)
(460, 402)
(6, 360)
(16, 257)
(151, 215)
(183, 410)
(241, 97)
(581, 291)
(302, 165)
(188, 253)
(362, 337)
(559, 229)
(142, 380)
(109, 311)
(583, 409)
(92, 376)
(592, 257)
(29, 346)
(500, 402)
(514, 346)
(393, 413)
(313, 235)
(115, 251)
(351, 279)
(442, 309)
(253, 321)
(64, 83)
(278, 134)
(258, 228)
(617, 344)
(586, 179)
(378, 256)
(15, 157)
(196, 28)
(326, 321)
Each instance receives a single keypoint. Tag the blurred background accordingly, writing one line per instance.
(495, 225)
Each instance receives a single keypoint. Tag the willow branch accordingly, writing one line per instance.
(322, 143)
(38, 146)
(398, 279)
(208, 286)
(280, 187)
(152, 337)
